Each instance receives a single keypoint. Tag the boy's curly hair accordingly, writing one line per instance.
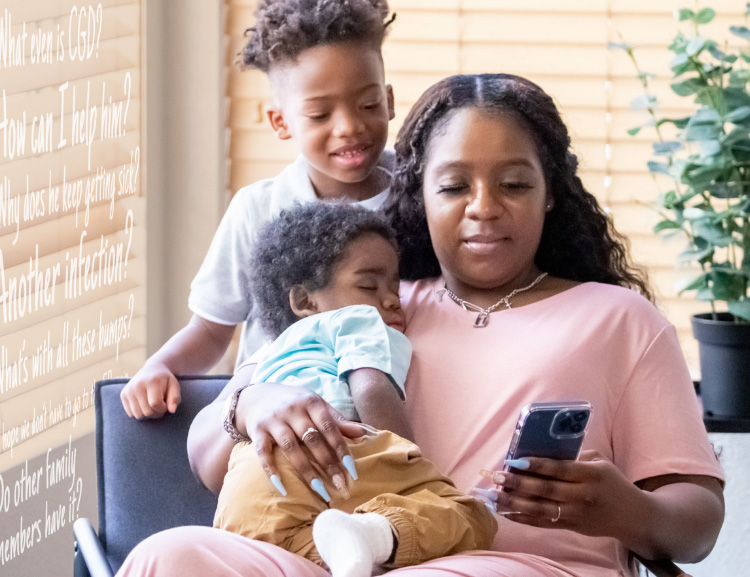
(579, 241)
(285, 28)
(303, 246)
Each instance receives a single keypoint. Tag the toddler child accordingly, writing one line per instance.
(324, 62)
(326, 281)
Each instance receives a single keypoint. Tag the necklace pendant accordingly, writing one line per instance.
(482, 319)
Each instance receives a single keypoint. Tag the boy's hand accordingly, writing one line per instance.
(151, 392)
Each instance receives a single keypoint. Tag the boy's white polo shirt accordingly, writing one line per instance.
(220, 291)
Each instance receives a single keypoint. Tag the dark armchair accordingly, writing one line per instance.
(144, 480)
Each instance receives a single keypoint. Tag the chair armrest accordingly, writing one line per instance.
(661, 567)
(91, 549)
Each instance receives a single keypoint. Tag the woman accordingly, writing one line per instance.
(521, 295)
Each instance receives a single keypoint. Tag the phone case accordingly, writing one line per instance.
(550, 430)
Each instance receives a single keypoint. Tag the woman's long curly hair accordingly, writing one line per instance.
(285, 28)
(578, 241)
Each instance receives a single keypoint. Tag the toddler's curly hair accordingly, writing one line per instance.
(303, 246)
(285, 28)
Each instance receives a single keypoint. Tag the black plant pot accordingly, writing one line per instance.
(725, 365)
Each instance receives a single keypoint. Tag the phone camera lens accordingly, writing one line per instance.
(565, 422)
(580, 416)
(576, 428)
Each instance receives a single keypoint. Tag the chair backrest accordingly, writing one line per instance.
(144, 480)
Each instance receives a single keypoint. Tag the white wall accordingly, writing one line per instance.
(731, 556)
(185, 131)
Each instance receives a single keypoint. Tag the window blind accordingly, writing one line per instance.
(72, 215)
(562, 46)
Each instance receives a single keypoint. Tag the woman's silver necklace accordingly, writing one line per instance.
(484, 314)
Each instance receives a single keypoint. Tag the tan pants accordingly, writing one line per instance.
(430, 517)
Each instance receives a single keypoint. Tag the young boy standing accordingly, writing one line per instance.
(323, 59)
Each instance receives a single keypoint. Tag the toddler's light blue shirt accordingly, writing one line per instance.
(318, 351)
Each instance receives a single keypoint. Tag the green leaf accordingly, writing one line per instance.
(738, 137)
(688, 87)
(666, 225)
(723, 190)
(713, 49)
(705, 16)
(704, 294)
(685, 14)
(706, 115)
(679, 42)
(634, 131)
(741, 31)
(738, 115)
(709, 147)
(666, 147)
(709, 95)
(727, 286)
(694, 132)
(711, 232)
(691, 283)
(739, 77)
(670, 201)
(740, 309)
(700, 251)
(659, 168)
(689, 66)
(679, 59)
(735, 97)
(695, 46)
(715, 71)
(678, 122)
(681, 64)
(700, 177)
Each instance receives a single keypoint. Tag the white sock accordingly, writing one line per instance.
(351, 545)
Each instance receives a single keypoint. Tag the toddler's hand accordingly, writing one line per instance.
(153, 391)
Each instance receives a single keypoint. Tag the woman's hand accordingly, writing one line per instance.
(589, 496)
(306, 428)
(674, 517)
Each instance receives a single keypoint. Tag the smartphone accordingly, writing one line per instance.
(550, 430)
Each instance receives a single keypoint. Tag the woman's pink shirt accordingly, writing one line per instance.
(601, 343)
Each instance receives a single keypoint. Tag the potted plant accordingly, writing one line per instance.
(705, 164)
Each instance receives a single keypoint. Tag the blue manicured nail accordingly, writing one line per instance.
(491, 495)
(320, 489)
(349, 464)
(278, 484)
(518, 463)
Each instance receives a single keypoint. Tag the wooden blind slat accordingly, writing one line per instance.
(98, 214)
(560, 45)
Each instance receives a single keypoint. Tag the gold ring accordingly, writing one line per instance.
(309, 431)
(559, 512)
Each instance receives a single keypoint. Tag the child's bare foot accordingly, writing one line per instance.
(352, 545)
